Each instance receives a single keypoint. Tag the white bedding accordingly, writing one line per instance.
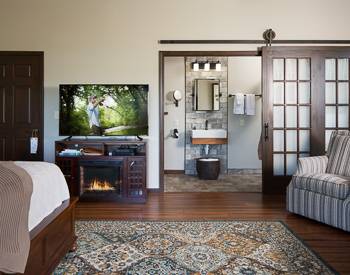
(49, 189)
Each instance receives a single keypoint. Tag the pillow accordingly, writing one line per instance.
(333, 135)
(339, 156)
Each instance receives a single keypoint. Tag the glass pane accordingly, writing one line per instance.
(278, 164)
(291, 164)
(328, 136)
(278, 140)
(278, 69)
(304, 92)
(304, 140)
(343, 69)
(304, 116)
(291, 116)
(343, 93)
(330, 69)
(291, 140)
(291, 69)
(343, 116)
(278, 93)
(330, 116)
(330, 93)
(291, 92)
(304, 155)
(278, 116)
(304, 69)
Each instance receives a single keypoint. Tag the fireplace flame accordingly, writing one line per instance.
(97, 185)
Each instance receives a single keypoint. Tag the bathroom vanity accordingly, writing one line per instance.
(210, 136)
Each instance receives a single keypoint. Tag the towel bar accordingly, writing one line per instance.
(231, 95)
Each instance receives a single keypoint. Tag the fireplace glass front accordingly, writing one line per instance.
(100, 180)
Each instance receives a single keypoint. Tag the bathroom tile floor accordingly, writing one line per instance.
(225, 183)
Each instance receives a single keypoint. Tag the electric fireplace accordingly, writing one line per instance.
(100, 179)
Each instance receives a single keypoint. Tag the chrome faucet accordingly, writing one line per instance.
(206, 124)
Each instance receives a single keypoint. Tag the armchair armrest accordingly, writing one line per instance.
(312, 165)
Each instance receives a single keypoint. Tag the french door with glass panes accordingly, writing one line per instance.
(305, 96)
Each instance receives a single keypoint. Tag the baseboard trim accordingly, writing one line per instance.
(174, 171)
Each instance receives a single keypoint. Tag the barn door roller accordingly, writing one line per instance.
(268, 36)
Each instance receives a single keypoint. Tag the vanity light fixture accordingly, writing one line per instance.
(207, 66)
(218, 66)
(195, 66)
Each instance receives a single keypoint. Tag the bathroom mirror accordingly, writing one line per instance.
(207, 95)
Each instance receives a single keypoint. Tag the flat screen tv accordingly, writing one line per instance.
(103, 110)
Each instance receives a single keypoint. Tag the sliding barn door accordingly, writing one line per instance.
(306, 96)
(21, 105)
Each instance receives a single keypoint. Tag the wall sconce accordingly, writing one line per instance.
(206, 66)
(177, 95)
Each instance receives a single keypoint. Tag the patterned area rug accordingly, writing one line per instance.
(213, 247)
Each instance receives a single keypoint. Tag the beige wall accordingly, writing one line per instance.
(244, 76)
(174, 79)
(115, 41)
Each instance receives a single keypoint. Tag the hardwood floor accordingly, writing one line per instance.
(333, 245)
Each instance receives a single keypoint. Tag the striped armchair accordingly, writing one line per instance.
(320, 189)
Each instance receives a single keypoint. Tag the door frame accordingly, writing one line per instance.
(161, 58)
(40, 55)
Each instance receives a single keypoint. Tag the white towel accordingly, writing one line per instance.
(250, 104)
(238, 104)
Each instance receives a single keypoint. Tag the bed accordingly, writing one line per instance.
(50, 218)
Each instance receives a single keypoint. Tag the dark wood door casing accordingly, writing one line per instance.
(21, 102)
(161, 59)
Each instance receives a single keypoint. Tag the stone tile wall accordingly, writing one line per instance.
(196, 119)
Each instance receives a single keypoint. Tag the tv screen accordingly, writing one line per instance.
(103, 110)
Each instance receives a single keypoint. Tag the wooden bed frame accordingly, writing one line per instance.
(52, 239)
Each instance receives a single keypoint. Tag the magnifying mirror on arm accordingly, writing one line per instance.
(177, 95)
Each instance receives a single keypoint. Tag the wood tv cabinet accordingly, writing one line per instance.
(105, 169)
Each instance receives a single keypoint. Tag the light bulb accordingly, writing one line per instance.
(195, 66)
(218, 67)
(207, 66)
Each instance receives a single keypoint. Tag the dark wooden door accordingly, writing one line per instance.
(21, 104)
(305, 97)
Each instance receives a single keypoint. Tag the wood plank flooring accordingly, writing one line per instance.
(333, 245)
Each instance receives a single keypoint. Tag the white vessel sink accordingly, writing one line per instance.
(210, 133)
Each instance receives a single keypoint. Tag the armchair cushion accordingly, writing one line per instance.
(326, 184)
(310, 165)
(339, 156)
